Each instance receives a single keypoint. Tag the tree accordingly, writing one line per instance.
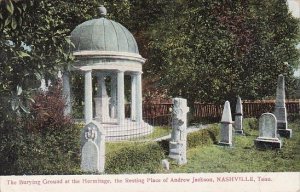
(214, 51)
(34, 41)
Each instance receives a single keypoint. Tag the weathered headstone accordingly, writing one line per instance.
(267, 132)
(280, 109)
(226, 126)
(238, 120)
(93, 148)
(178, 140)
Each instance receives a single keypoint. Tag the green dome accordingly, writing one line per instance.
(103, 35)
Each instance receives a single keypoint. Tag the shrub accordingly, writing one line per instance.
(250, 123)
(135, 158)
(292, 117)
(45, 142)
(203, 137)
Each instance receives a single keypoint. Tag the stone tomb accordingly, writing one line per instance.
(226, 126)
(93, 148)
(177, 144)
(107, 52)
(267, 132)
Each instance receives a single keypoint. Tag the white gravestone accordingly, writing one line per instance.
(280, 109)
(238, 121)
(93, 148)
(268, 132)
(226, 126)
(177, 145)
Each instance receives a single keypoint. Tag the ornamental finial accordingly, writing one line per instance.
(102, 11)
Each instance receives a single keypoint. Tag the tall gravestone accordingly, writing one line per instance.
(238, 120)
(93, 148)
(280, 109)
(267, 132)
(226, 126)
(177, 144)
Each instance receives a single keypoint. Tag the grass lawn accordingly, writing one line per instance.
(243, 156)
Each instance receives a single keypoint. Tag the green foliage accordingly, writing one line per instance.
(203, 137)
(44, 142)
(134, 158)
(24, 152)
(293, 117)
(250, 123)
(35, 43)
(214, 51)
(244, 157)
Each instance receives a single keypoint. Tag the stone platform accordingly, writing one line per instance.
(128, 130)
(268, 143)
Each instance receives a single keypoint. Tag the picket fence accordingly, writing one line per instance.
(159, 113)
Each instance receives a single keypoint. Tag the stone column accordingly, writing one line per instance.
(67, 92)
(101, 101)
(226, 126)
(238, 121)
(88, 97)
(280, 109)
(113, 96)
(139, 99)
(177, 145)
(133, 97)
(120, 97)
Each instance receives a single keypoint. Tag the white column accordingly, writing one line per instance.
(113, 95)
(88, 97)
(67, 93)
(102, 100)
(120, 95)
(139, 99)
(133, 97)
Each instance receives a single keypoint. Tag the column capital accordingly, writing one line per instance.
(87, 71)
(136, 73)
(120, 71)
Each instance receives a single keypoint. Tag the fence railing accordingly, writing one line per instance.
(256, 108)
(161, 111)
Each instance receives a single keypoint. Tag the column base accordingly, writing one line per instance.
(225, 144)
(281, 125)
(287, 133)
(239, 132)
(267, 144)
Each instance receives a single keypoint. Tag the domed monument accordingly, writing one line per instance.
(107, 51)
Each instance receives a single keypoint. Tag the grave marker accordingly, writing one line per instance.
(267, 132)
(280, 109)
(238, 121)
(178, 140)
(93, 148)
(226, 126)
